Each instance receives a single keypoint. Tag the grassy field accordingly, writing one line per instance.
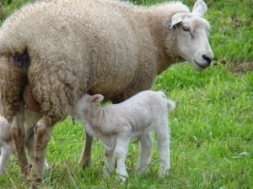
(212, 135)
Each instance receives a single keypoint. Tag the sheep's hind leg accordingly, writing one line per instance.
(85, 160)
(31, 118)
(18, 135)
(146, 150)
(42, 138)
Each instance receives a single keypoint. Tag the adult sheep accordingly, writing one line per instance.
(65, 48)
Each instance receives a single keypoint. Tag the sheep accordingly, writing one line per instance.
(63, 49)
(7, 147)
(116, 124)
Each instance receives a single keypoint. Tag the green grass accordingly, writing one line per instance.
(211, 128)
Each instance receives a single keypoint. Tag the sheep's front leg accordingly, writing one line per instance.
(85, 159)
(44, 130)
(18, 135)
(121, 154)
(146, 150)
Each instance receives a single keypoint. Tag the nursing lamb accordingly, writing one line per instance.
(116, 124)
(63, 49)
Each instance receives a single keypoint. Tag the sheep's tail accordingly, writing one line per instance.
(171, 104)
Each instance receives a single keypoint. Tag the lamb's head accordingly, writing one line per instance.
(87, 103)
(191, 33)
(93, 100)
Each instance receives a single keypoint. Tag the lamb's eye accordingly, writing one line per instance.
(185, 28)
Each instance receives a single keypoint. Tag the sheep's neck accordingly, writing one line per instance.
(162, 35)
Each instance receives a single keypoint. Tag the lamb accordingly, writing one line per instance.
(116, 124)
(7, 147)
(63, 49)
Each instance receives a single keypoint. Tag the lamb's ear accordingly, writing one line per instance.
(176, 19)
(96, 99)
(171, 104)
(199, 8)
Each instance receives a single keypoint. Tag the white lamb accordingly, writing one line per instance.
(116, 124)
(7, 147)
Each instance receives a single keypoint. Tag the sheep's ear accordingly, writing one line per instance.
(176, 19)
(96, 99)
(199, 8)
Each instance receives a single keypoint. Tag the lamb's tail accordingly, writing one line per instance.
(171, 104)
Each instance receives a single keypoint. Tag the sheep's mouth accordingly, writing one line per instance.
(199, 65)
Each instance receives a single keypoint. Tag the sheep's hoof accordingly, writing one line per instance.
(23, 176)
(86, 163)
(34, 185)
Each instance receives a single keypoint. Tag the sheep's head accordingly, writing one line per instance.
(191, 33)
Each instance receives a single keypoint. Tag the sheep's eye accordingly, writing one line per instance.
(186, 28)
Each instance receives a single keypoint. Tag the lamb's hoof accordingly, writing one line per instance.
(2, 172)
(122, 178)
(106, 172)
(164, 172)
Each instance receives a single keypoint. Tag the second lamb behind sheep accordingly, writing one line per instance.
(116, 124)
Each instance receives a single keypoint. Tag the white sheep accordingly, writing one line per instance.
(116, 124)
(66, 48)
(7, 147)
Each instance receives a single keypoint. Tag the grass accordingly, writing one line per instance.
(212, 135)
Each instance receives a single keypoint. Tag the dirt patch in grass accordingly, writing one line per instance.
(240, 67)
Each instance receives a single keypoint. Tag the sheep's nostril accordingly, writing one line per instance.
(209, 60)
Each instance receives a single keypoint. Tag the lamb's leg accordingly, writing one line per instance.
(163, 140)
(109, 149)
(42, 138)
(6, 152)
(85, 159)
(121, 154)
(18, 135)
(146, 150)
